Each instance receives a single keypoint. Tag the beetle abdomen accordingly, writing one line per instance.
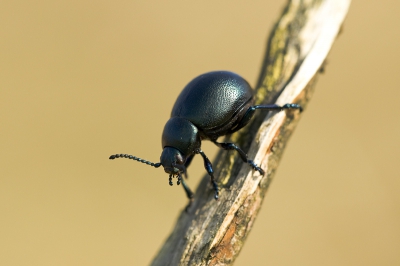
(213, 100)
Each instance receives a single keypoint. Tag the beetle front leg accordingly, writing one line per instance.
(243, 155)
(188, 192)
(210, 171)
(187, 163)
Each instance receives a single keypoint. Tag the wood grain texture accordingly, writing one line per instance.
(213, 232)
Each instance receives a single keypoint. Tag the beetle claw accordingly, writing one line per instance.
(216, 189)
(256, 167)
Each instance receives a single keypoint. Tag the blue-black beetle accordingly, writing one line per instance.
(213, 104)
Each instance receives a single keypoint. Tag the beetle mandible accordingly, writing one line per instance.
(213, 104)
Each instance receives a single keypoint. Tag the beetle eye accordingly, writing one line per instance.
(179, 159)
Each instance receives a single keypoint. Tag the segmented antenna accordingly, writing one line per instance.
(128, 156)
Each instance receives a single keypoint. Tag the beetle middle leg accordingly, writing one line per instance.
(243, 155)
(210, 171)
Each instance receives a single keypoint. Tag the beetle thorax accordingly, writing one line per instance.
(182, 135)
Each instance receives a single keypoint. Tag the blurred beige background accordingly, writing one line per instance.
(80, 80)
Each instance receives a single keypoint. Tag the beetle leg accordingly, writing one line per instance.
(210, 171)
(274, 107)
(243, 155)
(270, 107)
(187, 163)
(188, 192)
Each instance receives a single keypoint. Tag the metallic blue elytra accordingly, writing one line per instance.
(213, 104)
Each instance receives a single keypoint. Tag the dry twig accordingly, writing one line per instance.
(213, 232)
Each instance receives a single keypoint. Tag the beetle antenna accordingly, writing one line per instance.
(128, 156)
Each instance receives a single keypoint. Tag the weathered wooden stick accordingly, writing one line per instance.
(213, 232)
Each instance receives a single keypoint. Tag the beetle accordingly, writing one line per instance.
(212, 105)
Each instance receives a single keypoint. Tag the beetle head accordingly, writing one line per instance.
(180, 139)
(173, 161)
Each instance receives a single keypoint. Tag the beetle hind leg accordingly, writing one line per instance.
(274, 107)
(269, 107)
(243, 155)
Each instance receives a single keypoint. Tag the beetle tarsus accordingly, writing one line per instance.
(215, 186)
(256, 167)
(292, 106)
